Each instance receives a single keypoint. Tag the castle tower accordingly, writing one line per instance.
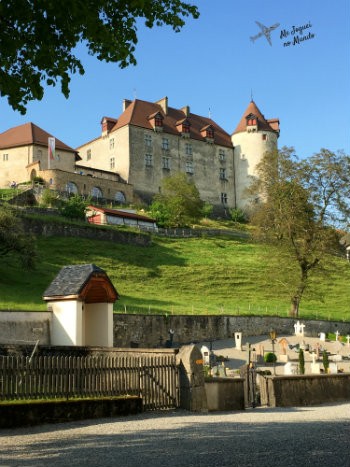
(253, 137)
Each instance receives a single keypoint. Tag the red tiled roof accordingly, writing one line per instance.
(139, 112)
(263, 124)
(27, 134)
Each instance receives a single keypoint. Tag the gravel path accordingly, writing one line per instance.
(261, 437)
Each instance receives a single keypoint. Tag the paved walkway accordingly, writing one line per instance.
(293, 437)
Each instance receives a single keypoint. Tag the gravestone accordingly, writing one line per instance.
(291, 368)
(323, 336)
(238, 340)
(315, 367)
(206, 355)
(299, 329)
(219, 371)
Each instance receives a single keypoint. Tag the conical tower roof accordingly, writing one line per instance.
(263, 124)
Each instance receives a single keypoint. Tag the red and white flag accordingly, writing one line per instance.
(51, 149)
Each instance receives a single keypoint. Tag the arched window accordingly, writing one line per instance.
(72, 188)
(120, 197)
(96, 192)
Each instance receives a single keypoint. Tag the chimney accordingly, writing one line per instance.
(186, 110)
(164, 104)
(126, 103)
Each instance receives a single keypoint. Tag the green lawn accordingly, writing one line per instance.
(182, 276)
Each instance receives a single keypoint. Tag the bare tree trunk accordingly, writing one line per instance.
(294, 307)
(296, 298)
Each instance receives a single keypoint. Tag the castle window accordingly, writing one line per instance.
(210, 133)
(189, 167)
(166, 163)
(88, 154)
(223, 174)
(165, 144)
(148, 140)
(72, 188)
(5, 157)
(224, 198)
(185, 127)
(120, 197)
(264, 137)
(111, 143)
(96, 192)
(188, 149)
(148, 160)
(112, 163)
(222, 155)
(158, 121)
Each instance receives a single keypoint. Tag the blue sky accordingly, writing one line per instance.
(211, 65)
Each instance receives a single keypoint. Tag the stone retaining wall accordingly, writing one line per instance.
(33, 413)
(153, 330)
(304, 390)
(150, 331)
(50, 229)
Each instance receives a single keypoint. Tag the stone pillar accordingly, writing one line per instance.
(238, 340)
(192, 389)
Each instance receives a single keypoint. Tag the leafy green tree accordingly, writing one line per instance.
(299, 203)
(178, 204)
(38, 39)
(75, 208)
(14, 240)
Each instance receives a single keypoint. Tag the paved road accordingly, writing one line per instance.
(262, 437)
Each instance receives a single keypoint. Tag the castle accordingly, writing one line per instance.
(134, 152)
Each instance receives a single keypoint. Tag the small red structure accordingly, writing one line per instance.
(97, 215)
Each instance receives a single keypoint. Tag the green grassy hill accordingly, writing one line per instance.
(182, 276)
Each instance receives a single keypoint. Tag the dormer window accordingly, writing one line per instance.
(156, 120)
(252, 122)
(208, 133)
(184, 127)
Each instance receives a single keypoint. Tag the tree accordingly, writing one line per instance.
(299, 203)
(38, 38)
(14, 240)
(75, 208)
(178, 204)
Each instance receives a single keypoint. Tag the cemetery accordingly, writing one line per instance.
(290, 370)
(72, 354)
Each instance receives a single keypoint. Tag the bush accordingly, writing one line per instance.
(270, 357)
(49, 199)
(238, 215)
(325, 361)
(75, 208)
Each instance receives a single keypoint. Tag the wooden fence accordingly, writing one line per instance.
(154, 378)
